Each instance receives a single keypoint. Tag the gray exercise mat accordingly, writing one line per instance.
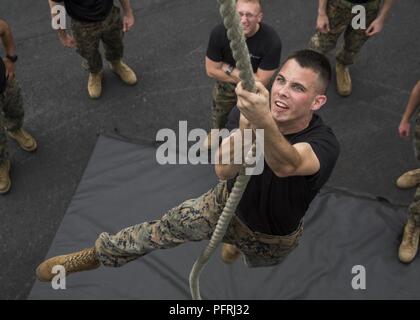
(123, 185)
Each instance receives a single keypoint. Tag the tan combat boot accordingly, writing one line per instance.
(343, 80)
(5, 182)
(230, 253)
(24, 139)
(126, 74)
(410, 241)
(409, 179)
(74, 262)
(95, 85)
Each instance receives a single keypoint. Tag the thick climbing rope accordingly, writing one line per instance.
(240, 53)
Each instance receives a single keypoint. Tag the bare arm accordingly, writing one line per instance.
(9, 47)
(413, 103)
(322, 7)
(128, 18)
(322, 22)
(286, 159)
(7, 38)
(52, 4)
(377, 25)
(386, 8)
(217, 70)
(282, 157)
(66, 39)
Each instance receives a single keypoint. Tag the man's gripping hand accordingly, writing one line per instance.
(255, 107)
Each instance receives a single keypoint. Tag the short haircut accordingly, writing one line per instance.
(315, 61)
(253, 1)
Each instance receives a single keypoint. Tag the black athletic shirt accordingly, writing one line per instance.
(264, 48)
(274, 205)
(88, 10)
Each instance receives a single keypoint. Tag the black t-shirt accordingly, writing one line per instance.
(274, 205)
(88, 10)
(264, 48)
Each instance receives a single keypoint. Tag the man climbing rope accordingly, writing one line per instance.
(410, 179)
(300, 153)
(11, 108)
(93, 21)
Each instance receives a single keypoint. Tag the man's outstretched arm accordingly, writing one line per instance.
(128, 18)
(66, 39)
(283, 158)
(221, 71)
(322, 21)
(9, 47)
(378, 24)
(413, 103)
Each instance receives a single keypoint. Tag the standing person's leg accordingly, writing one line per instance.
(409, 245)
(193, 220)
(13, 117)
(224, 99)
(411, 178)
(87, 36)
(5, 182)
(112, 38)
(339, 18)
(354, 39)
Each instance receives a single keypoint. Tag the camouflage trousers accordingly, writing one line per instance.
(194, 220)
(89, 34)
(340, 18)
(414, 208)
(224, 99)
(11, 115)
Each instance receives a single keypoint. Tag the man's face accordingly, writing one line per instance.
(251, 15)
(293, 94)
